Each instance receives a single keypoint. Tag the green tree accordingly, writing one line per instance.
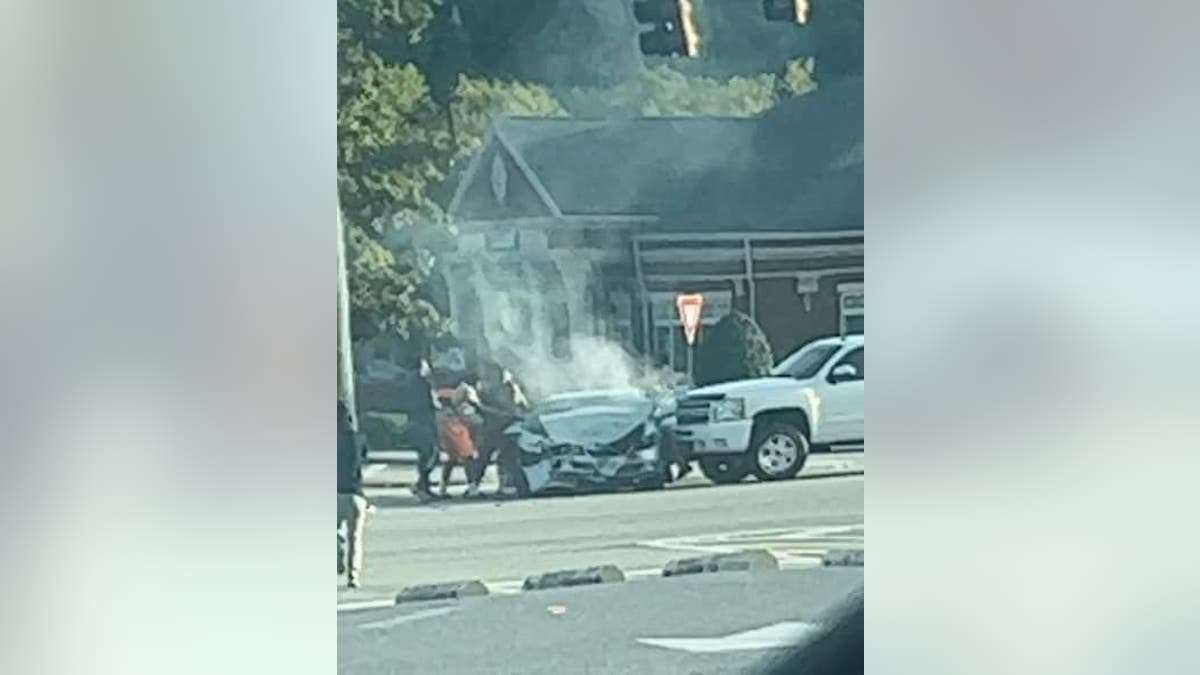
(478, 99)
(666, 91)
(408, 116)
(418, 81)
(390, 150)
(796, 78)
(733, 349)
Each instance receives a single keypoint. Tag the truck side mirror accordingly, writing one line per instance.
(843, 372)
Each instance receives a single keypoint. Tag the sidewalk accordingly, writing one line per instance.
(396, 475)
(397, 469)
(406, 456)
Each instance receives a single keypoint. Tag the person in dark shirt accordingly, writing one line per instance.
(352, 505)
(502, 403)
(422, 424)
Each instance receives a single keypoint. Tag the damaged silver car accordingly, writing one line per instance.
(592, 440)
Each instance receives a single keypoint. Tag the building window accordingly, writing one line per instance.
(852, 308)
(853, 325)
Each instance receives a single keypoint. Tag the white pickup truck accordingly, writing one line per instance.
(767, 426)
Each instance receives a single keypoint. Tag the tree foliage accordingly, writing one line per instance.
(663, 91)
(408, 116)
(735, 348)
(477, 99)
(418, 81)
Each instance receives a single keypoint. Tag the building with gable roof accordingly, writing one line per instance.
(592, 227)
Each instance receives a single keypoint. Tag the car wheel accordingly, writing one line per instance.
(724, 469)
(778, 452)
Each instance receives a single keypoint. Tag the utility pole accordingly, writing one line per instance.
(345, 362)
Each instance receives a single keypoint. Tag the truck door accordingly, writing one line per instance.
(842, 400)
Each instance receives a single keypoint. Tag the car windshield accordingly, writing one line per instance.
(806, 362)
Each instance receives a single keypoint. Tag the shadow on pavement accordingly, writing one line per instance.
(407, 500)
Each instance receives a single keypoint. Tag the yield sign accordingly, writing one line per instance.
(689, 306)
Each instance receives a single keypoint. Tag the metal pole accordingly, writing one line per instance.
(691, 359)
(345, 362)
(751, 289)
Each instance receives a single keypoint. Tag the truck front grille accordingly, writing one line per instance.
(692, 412)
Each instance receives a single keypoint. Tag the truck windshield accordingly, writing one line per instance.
(805, 362)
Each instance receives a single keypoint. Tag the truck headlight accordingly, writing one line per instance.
(729, 410)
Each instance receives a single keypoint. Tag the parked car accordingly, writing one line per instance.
(591, 440)
(767, 426)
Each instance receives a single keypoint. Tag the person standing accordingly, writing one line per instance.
(352, 505)
(502, 403)
(422, 424)
(456, 419)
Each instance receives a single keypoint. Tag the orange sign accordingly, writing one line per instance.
(689, 306)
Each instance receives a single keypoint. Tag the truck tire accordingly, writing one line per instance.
(724, 469)
(778, 451)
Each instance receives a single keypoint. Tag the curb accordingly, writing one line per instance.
(831, 474)
(583, 576)
(453, 590)
(743, 561)
(456, 481)
(843, 558)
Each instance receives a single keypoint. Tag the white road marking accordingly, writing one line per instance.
(506, 587)
(407, 618)
(794, 547)
(355, 605)
(648, 573)
(774, 636)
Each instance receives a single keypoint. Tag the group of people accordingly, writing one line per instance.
(465, 422)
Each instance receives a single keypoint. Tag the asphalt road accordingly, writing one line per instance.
(718, 623)
(501, 543)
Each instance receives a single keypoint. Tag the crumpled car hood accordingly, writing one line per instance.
(593, 426)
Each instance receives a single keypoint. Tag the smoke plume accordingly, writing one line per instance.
(539, 335)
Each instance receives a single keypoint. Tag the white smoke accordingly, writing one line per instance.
(539, 336)
(592, 363)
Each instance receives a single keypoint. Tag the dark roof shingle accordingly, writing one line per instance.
(797, 167)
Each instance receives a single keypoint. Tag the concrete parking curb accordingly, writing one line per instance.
(601, 574)
(743, 561)
(843, 558)
(453, 590)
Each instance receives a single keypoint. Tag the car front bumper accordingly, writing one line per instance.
(714, 438)
(579, 473)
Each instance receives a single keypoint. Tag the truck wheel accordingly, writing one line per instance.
(724, 469)
(778, 451)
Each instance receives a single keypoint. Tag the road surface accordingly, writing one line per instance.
(712, 623)
(716, 623)
(501, 543)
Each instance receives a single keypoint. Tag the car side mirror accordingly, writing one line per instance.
(843, 372)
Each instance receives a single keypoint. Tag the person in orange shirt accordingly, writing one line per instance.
(457, 422)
